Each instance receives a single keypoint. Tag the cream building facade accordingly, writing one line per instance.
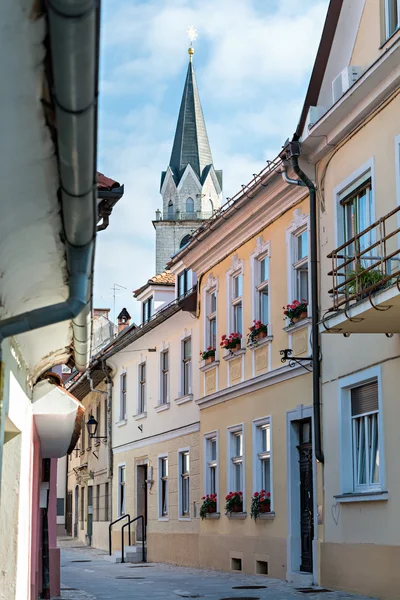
(255, 411)
(351, 135)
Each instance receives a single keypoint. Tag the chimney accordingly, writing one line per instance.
(124, 319)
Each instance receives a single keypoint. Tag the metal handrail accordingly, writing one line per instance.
(351, 262)
(109, 530)
(143, 538)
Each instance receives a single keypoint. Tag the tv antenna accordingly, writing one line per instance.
(114, 288)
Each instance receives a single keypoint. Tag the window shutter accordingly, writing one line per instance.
(364, 399)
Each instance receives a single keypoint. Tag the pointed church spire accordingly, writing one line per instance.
(191, 145)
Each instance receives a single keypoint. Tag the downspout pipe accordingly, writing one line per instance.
(293, 153)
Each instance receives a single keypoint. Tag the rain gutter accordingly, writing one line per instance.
(74, 42)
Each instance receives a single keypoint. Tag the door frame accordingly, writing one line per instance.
(142, 464)
(76, 512)
(300, 413)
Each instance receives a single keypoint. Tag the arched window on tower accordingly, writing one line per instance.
(185, 240)
(190, 205)
(170, 210)
(211, 205)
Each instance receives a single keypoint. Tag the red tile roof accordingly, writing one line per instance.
(105, 183)
(165, 278)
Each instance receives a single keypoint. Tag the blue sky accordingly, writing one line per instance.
(253, 59)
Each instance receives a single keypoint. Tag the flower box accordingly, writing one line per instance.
(234, 502)
(209, 359)
(257, 331)
(301, 316)
(297, 311)
(232, 342)
(209, 505)
(260, 504)
(208, 355)
(265, 507)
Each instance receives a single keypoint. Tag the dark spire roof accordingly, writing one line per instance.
(191, 144)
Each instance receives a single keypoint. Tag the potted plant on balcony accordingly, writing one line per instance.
(234, 502)
(231, 342)
(363, 279)
(208, 355)
(257, 331)
(260, 503)
(296, 311)
(209, 505)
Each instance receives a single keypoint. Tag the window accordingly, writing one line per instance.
(262, 299)
(392, 17)
(98, 419)
(211, 465)
(211, 324)
(357, 215)
(300, 264)
(262, 455)
(147, 310)
(97, 503)
(105, 432)
(122, 397)
(142, 389)
(236, 454)
(163, 486)
(190, 205)
(187, 366)
(106, 503)
(184, 484)
(184, 279)
(364, 417)
(83, 435)
(170, 210)
(185, 240)
(82, 507)
(121, 491)
(361, 429)
(236, 301)
(165, 377)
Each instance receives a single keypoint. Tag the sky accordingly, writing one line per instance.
(253, 60)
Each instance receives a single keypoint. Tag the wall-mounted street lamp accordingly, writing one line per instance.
(91, 426)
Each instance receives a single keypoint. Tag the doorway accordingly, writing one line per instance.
(301, 546)
(306, 495)
(89, 531)
(68, 515)
(141, 498)
(76, 513)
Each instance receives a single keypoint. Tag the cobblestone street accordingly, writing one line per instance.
(86, 576)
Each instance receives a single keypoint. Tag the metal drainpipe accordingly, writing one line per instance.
(293, 155)
(74, 33)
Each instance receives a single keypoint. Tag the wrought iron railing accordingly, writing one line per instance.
(367, 263)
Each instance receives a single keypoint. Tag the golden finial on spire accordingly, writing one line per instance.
(192, 35)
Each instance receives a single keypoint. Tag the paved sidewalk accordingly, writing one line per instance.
(86, 576)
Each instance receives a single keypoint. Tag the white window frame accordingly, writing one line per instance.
(237, 268)
(262, 250)
(257, 425)
(161, 516)
(208, 437)
(141, 409)
(210, 287)
(123, 404)
(232, 431)
(397, 166)
(165, 402)
(119, 512)
(145, 304)
(368, 168)
(182, 378)
(388, 33)
(346, 435)
(298, 226)
(181, 516)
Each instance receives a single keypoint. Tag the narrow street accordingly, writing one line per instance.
(86, 576)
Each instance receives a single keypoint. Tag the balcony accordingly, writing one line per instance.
(366, 281)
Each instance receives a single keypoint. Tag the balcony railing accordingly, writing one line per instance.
(367, 263)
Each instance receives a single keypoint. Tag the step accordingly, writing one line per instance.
(300, 578)
(114, 558)
(133, 554)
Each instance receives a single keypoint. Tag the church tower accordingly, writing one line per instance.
(191, 188)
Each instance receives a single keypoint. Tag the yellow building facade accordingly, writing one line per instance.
(255, 410)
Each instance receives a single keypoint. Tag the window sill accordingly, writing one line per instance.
(235, 354)
(204, 368)
(121, 422)
(389, 38)
(184, 519)
(299, 325)
(164, 519)
(184, 399)
(238, 516)
(266, 516)
(215, 515)
(260, 343)
(362, 497)
(140, 416)
(162, 407)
